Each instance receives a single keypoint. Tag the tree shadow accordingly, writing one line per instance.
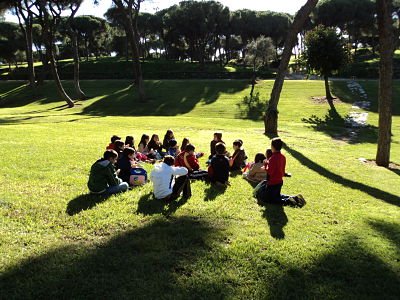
(276, 218)
(153, 262)
(213, 191)
(389, 230)
(374, 192)
(161, 101)
(349, 270)
(333, 124)
(84, 202)
(149, 205)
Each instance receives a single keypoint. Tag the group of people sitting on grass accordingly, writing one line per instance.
(175, 166)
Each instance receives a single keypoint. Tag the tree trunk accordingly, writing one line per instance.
(78, 90)
(136, 59)
(56, 77)
(386, 45)
(271, 115)
(329, 97)
(29, 55)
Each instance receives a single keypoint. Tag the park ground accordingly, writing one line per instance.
(59, 242)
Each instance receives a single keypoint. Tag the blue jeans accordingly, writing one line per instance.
(122, 187)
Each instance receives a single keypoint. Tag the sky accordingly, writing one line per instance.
(151, 6)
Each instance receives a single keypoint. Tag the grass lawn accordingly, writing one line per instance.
(56, 241)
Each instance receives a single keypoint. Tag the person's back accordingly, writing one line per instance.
(219, 165)
(220, 168)
(103, 178)
(162, 177)
(276, 168)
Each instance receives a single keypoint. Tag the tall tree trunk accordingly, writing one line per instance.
(29, 55)
(271, 115)
(329, 97)
(386, 46)
(56, 77)
(136, 60)
(78, 90)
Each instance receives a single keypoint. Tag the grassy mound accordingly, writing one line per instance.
(57, 241)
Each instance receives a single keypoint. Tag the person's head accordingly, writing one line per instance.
(169, 160)
(111, 155)
(172, 143)
(220, 148)
(115, 138)
(155, 138)
(276, 144)
(185, 141)
(237, 144)
(169, 134)
(129, 152)
(144, 139)
(129, 140)
(119, 145)
(259, 158)
(268, 153)
(189, 148)
(217, 136)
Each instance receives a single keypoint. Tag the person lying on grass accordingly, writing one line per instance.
(103, 177)
(218, 170)
(169, 181)
(269, 191)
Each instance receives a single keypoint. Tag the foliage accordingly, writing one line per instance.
(259, 52)
(325, 51)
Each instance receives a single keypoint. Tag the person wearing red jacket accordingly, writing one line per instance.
(189, 160)
(275, 167)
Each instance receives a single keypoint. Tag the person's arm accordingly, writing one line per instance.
(194, 163)
(179, 171)
(111, 177)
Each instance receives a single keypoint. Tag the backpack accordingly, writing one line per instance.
(138, 177)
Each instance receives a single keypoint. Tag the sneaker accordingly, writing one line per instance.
(300, 200)
(291, 201)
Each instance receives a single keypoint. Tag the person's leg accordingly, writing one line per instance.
(198, 175)
(179, 185)
(122, 187)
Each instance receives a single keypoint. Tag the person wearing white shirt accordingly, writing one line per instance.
(169, 181)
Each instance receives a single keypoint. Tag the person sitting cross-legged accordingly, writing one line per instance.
(103, 177)
(169, 181)
(218, 170)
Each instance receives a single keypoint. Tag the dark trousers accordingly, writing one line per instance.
(199, 175)
(182, 184)
(273, 194)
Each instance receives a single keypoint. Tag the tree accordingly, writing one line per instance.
(73, 7)
(324, 53)
(129, 11)
(23, 10)
(11, 41)
(271, 115)
(386, 48)
(259, 52)
(48, 14)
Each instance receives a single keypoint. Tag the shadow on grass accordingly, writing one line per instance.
(213, 191)
(155, 261)
(349, 270)
(374, 192)
(334, 124)
(388, 230)
(84, 202)
(165, 97)
(148, 205)
(276, 218)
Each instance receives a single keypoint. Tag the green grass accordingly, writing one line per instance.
(59, 242)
